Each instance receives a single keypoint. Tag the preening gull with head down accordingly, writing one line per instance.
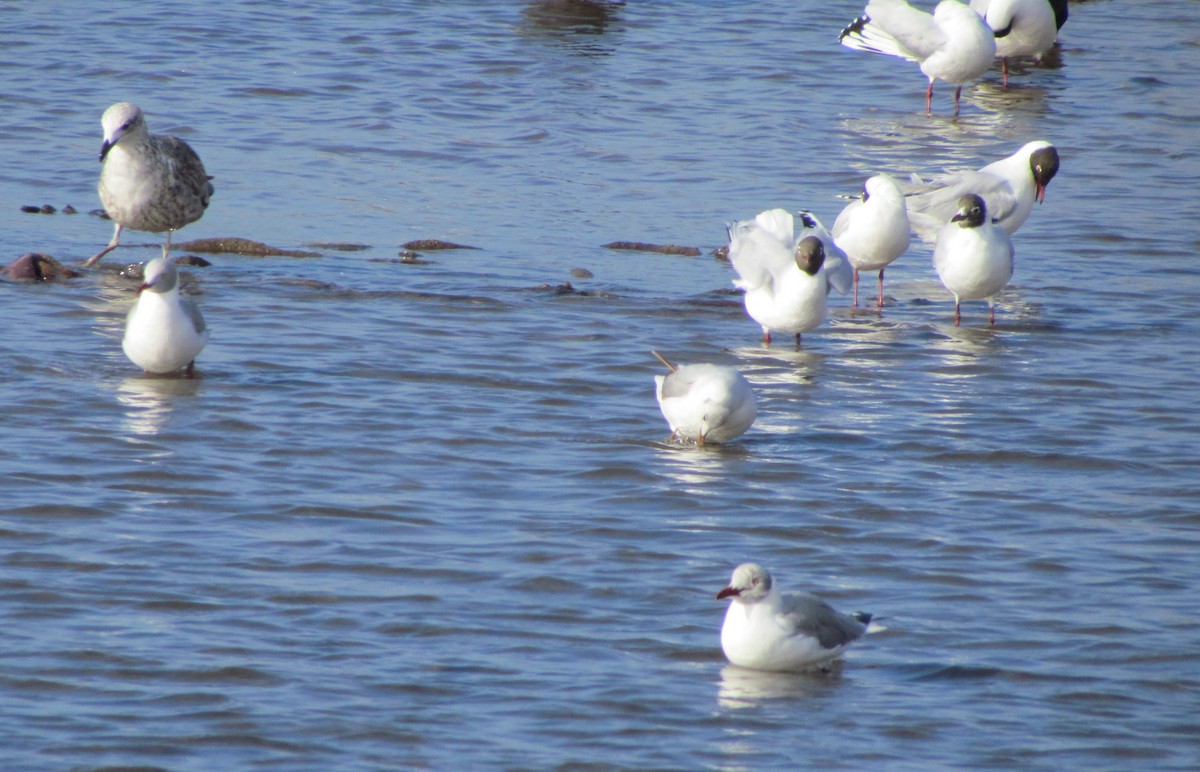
(148, 182)
(705, 403)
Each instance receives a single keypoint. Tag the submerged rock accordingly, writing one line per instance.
(239, 246)
(34, 266)
(429, 245)
(662, 249)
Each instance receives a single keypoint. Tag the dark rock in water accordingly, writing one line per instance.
(662, 249)
(237, 246)
(68, 209)
(429, 245)
(103, 215)
(43, 209)
(558, 289)
(192, 260)
(721, 253)
(581, 273)
(338, 246)
(34, 266)
(407, 257)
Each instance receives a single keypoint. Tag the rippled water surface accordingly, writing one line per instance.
(423, 514)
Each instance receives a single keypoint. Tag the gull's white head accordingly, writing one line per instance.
(118, 121)
(159, 275)
(750, 583)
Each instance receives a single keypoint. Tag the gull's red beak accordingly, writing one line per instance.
(1040, 195)
(727, 592)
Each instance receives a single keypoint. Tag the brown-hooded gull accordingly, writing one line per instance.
(973, 256)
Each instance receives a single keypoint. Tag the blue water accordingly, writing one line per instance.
(424, 515)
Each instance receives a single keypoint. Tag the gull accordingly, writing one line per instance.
(164, 330)
(1022, 27)
(705, 403)
(838, 271)
(1010, 186)
(766, 629)
(873, 231)
(782, 276)
(952, 44)
(973, 256)
(148, 182)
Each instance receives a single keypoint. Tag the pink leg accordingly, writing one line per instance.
(881, 288)
(766, 337)
(957, 314)
(957, 94)
(1004, 69)
(113, 244)
(929, 99)
(856, 288)
(991, 315)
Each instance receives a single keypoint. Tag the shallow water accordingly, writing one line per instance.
(424, 514)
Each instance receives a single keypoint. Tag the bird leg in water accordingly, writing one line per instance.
(116, 241)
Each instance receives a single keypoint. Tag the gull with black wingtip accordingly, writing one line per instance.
(766, 629)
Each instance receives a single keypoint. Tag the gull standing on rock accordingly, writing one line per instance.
(953, 44)
(704, 402)
(973, 257)
(784, 278)
(1009, 186)
(766, 629)
(1022, 27)
(873, 231)
(148, 182)
(164, 331)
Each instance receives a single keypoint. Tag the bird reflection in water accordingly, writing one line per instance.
(147, 401)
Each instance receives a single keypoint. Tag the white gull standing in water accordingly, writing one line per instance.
(952, 44)
(766, 629)
(784, 278)
(164, 331)
(1009, 186)
(704, 402)
(1022, 27)
(148, 182)
(873, 231)
(973, 256)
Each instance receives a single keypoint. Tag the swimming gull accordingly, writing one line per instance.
(164, 331)
(148, 182)
(766, 629)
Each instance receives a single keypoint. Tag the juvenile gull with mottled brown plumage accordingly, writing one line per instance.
(149, 182)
